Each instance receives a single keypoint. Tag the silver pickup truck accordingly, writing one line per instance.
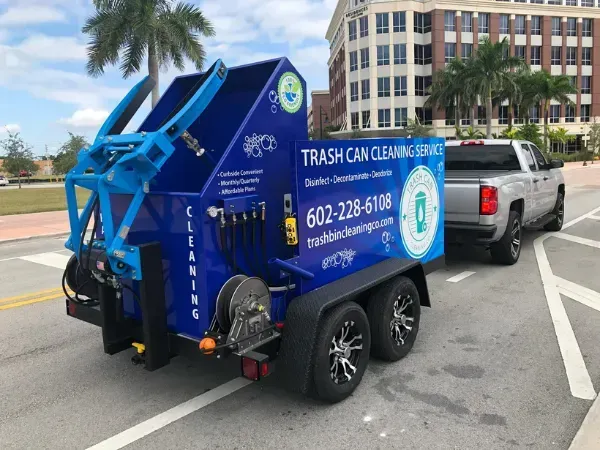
(494, 188)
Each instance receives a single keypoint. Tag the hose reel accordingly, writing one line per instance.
(242, 311)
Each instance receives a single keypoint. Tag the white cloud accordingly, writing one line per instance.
(86, 118)
(11, 127)
(314, 56)
(29, 15)
(52, 48)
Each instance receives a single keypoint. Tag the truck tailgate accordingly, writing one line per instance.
(461, 193)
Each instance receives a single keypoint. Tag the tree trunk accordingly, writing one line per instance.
(488, 113)
(153, 72)
(510, 114)
(472, 116)
(457, 112)
(19, 180)
(546, 110)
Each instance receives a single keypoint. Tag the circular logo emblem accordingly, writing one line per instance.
(419, 212)
(290, 92)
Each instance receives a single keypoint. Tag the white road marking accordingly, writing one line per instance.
(594, 217)
(48, 259)
(577, 239)
(588, 436)
(162, 420)
(577, 374)
(460, 276)
(578, 293)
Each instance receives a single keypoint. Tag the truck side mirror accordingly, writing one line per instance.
(557, 163)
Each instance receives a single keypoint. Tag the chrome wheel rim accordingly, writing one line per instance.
(402, 319)
(515, 243)
(344, 353)
(561, 212)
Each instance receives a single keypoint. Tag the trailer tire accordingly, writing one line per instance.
(348, 325)
(505, 251)
(393, 335)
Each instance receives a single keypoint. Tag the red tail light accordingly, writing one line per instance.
(255, 370)
(479, 142)
(489, 200)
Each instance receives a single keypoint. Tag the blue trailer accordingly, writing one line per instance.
(220, 229)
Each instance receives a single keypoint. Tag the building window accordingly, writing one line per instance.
(450, 51)
(555, 2)
(503, 115)
(450, 119)
(352, 30)
(556, 26)
(484, 23)
(539, 2)
(382, 23)
(385, 120)
(354, 120)
(536, 56)
(422, 54)
(571, 26)
(569, 113)
(401, 117)
(571, 56)
(399, 53)
(400, 86)
(466, 51)
(353, 61)
(585, 113)
(383, 87)
(366, 119)
(586, 56)
(449, 21)
(504, 24)
(534, 114)
(573, 81)
(554, 114)
(383, 55)
(519, 24)
(517, 115)
(520, 1)
(364, 26)
(399, 22)
(424, 115)
(467, 22)
(365, 86)
(587, 3)
(354, 91)
(586, 85)
(422, 85)
(536, 25)
(364, 58)
(520, 51)
(586, 28)
(481, 116)
(571, 2)
(555, 58)
(422, 23)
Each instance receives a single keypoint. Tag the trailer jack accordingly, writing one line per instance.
(140, 356)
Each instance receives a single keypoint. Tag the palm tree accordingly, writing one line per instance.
(512, 91)
(128, 31)
(548, 87)
(489, 70)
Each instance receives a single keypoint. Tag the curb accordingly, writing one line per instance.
(588, 436)
(37, 236)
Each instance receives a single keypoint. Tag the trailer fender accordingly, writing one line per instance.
(305, 313)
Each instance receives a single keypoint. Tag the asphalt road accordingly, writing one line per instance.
(486, 371)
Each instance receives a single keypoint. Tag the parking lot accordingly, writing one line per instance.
(507, 357)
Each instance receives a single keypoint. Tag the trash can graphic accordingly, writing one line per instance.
(420, 207)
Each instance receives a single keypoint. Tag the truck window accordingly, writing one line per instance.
(529, 157)
(539, 157)
(482, 157)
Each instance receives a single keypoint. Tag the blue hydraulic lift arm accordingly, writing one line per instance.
(125, 164)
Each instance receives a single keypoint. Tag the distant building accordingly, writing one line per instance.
(43, 168)
(383, 54)
(319, 112)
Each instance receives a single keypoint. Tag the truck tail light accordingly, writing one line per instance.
(489, 200)
(255, 369)
(478, 142)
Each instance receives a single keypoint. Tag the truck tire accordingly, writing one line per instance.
(394, 312)
(342, 352)
(559, 212)
(508, 249)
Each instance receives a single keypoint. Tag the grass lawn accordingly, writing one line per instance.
(23, 201)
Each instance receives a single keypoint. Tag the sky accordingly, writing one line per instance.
(45, 91)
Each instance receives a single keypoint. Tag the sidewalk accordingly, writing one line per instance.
(579, 165)
(27, 226)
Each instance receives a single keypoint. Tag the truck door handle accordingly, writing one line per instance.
(546, 178)
(535, 180)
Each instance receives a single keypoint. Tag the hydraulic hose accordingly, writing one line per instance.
(233, 247)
